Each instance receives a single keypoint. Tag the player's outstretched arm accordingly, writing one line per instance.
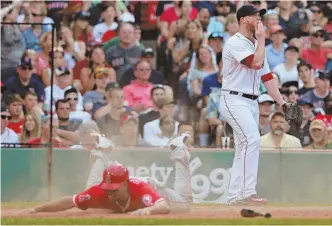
(62, 204)
(160, 207)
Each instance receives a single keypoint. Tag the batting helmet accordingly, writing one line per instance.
(114, 176)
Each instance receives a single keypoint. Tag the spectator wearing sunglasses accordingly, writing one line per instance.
(156, 76)
(71, 96)
(293, 94)
(25, 81)
(316, 54)
(7, 135)
(321, 91)
(138, 92)
(63, 82)
(288, 70)
(319, 19)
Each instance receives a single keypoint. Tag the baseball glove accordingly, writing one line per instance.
(293, 113)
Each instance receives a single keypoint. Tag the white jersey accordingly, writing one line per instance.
(237, 76)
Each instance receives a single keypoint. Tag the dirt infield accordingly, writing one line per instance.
(197, 212)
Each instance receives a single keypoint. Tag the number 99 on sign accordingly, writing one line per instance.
(215, 184)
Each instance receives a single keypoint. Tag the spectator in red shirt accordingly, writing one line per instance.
(138, 93)
(16, 111)
(316, 55)
(45, 134)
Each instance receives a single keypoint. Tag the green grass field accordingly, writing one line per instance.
(142, 221)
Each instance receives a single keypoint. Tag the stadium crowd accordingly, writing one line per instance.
(106, 68)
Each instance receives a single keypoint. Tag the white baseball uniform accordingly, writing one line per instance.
(242, 113)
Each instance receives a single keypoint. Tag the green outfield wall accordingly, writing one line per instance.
(284, 177)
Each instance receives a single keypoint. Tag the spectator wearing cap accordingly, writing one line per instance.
(317, 95)
(266, 107)
(306, 77)
(203, 18)
(316, 54)
(151, 130)
(319, 135)
(109, 124)
(15, 105)
(95, 99)
(158, 97)
(275, 51)
(33, 34)
(156, 77)
(12, 42)
(278, 138)
(7, 135)
(299, 24)
(129, 136)
(81, 30)
(25, 81)
(63, 82)
(45, 134)
(215, 41)
(231, 26)
(138, 92)
(68, 129)
(71, 96)
(328, 105)
(303, 132)
(108, 14)
(123, 56)
(216, 21)
(288, 71)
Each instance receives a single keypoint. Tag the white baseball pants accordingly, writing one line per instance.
(242, 114)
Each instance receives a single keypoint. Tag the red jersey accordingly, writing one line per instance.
(16, 126)
(56, 143)
(141, 195)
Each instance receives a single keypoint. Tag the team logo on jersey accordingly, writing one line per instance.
(147, 200)
(82, 198)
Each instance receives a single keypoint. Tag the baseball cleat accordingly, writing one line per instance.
(179, 149)
(252, 200)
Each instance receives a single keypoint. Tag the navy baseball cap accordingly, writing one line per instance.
(248, 10)
(322, 74)
(305, 102)
(82, 15)
(216, 34)
(26, 62)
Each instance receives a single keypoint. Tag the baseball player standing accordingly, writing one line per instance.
(244, 65)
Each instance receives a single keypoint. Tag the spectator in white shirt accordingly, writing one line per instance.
(288, 70)
(71, 95)
(63, 81)
(157, 133)
(7, 135)
(108, 14)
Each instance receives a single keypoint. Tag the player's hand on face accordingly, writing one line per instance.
(141, 212)
(260, 32)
